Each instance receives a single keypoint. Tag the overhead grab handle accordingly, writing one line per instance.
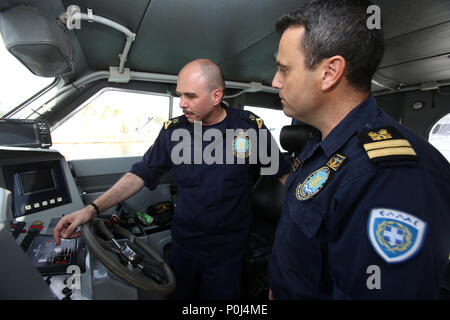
(73, 17)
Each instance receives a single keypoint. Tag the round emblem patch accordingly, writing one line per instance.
(242, 145)
(313, 184)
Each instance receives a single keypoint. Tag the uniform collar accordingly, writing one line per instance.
(363, 116)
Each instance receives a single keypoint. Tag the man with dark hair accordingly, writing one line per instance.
(367, 211)
(212, 218)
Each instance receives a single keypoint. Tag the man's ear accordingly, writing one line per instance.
(217, 96)
(333, 70)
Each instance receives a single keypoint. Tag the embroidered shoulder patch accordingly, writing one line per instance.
(396, 236)
(386, 143)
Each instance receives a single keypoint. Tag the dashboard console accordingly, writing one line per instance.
(36, 186)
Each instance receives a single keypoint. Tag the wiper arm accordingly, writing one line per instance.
(145, 124)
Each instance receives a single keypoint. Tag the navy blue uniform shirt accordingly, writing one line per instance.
(366, 214)
(213, 211)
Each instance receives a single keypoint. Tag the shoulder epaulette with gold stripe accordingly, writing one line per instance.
(386, 144)
(250, 116)
(174, 122)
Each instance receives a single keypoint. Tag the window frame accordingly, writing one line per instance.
(33, 98)
(110, 89)
(103, 90)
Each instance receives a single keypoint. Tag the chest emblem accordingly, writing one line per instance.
(242, 146)
(317, 180)
(396, 236)
(312, 184)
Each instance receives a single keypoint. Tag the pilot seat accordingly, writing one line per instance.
(268, 197)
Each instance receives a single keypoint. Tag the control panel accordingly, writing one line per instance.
(50, 259)
(36, 186)
(42, 190)
(28, 208)
(44, 132)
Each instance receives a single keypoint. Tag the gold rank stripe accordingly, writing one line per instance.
(387, 144)
(400, 151)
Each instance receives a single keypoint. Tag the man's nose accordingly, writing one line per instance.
(183, 103)
(276, 83)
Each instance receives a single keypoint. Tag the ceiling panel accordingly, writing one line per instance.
(417, 72)
(404, 16)
(239, 35)
(422, 44)
(174, 32)
(256, 62)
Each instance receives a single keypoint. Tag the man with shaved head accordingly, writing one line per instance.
(200, 86)
(212, 218)
(212, 72)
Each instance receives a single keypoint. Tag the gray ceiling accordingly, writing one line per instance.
(239, 35)
(417, 36)
(170, 33)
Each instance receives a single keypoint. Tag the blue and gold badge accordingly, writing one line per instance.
(336, 161)
(317, 180)
(242, 146)
(313, 184)
(396, 236)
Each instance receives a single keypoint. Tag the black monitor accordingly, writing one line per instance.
(25, 133)
(36, 186)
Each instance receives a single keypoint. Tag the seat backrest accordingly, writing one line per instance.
(294, 137)
(268, 193)
(268, 196)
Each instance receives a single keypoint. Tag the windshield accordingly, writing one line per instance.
(17, 83)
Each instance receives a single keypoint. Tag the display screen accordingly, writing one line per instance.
(35, 181)
(9, 135)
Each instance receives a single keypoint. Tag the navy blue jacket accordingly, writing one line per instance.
(366, 214)
(213, 210)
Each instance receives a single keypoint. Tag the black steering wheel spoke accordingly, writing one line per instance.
(138, 263)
